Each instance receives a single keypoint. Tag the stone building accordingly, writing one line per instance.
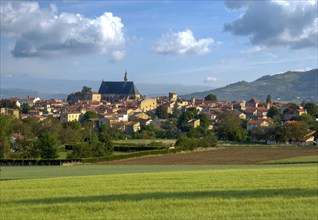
(114, 91)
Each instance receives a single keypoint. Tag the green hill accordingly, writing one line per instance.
(289, 86)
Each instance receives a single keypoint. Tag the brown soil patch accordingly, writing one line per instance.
(219, 156)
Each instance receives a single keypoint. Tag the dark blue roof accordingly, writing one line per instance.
(120, 88)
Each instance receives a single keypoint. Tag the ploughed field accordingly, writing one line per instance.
(221, 156)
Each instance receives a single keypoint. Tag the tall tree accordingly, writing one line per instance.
(210, 97)
(229, 127)
(48, 146)
(311, 108)
(274, 113)
(162, 111)
(89, 115)
(86, 89)
(268, 98)
(5, 135)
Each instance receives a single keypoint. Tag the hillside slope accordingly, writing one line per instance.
(289, 86)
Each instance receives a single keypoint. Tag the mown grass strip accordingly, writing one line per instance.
(293, 160)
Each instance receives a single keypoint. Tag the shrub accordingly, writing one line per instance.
(186, 143)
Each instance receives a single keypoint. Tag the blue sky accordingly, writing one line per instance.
(210, 43)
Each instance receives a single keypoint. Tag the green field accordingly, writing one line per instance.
(155, 192)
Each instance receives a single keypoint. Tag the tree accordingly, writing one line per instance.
(204, 121)
(186, 116)
(274, 113)
(71, 132)
(311, 108)
(186, 143)
(105, 138)
(194, 133)
(210, 140)
(162, 111)
(229, 127)
(89, 115)
(25, 108)
(294, 132)
(210, 97)
(86, 89)
(6, 103)
(308, 119)
(268, 99)
(260, 133)
(48, 146)
(5, 135)
(176, 112)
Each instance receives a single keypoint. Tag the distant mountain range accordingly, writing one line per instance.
(288, 86)
(57, 88)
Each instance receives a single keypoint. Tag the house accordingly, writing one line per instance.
(310, 138)
(262, 112)
(194, 123)
(34, 112)
(251, 113)
(173, 96)
(126, 110)
(111, 119)
(142, 115)
(81, 96)
(130, 127)
(27, 101)
(9, 111)
(146, 105)
(70, 116)
(143, 121)
(239, 114)
(239, 105)
(115, 91)
(252, 103)
(289, 113)
(257, 123)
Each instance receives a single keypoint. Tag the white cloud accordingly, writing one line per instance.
(182, 43)
(42, 32)
(276, 22)
(210, 79)
(118, 55)
(253, 50)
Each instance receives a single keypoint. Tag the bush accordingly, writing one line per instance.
(209, 140)
(186, 143)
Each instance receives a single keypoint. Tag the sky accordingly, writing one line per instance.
(210, 43)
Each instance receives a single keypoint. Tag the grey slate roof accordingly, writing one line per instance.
(120, 88)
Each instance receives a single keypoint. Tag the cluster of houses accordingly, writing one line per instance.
(120, 104)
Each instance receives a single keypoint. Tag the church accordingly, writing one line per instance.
(114, 91)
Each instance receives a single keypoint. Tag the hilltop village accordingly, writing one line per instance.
(126, 113)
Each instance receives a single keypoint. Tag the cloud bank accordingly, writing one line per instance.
(40, 32)
(276, 23)
(182, 43)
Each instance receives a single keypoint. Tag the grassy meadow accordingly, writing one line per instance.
(163, 192)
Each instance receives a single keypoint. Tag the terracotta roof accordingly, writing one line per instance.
(253, 100)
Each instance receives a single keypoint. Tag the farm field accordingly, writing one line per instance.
(241, 155)
(145, 141)
(209, 192)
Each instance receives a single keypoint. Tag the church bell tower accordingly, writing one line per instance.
(126, 78)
